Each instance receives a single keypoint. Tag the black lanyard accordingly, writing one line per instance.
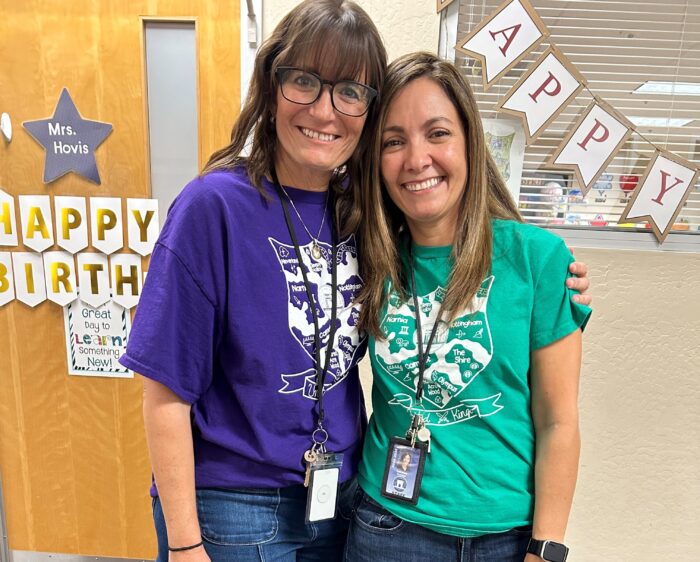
(320, 373)
(422, 355)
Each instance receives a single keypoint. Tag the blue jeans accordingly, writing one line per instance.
(375, 534)
(255, 525)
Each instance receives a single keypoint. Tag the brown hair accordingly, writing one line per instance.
(383, 225)
(331, 36)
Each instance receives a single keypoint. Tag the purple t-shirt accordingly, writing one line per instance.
(224, 322)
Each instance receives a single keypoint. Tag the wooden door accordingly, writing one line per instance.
(73, 458)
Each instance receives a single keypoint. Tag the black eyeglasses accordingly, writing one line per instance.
(302, 87)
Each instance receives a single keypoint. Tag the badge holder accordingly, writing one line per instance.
(403, 471)
(322, 477)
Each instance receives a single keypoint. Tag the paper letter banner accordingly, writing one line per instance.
(29, 277)
(106, 224)
(505, 38)
(442, 4)
(592, 144)
(543, 92)
(71, 223)
(37, 225)
(663, 190)
(93, 278)
(7, 283)
(59, 270)
(96, 338)
(127, 279)
(69, 141)
(142, 224)
(8, 222)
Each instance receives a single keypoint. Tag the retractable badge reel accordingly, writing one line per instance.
(322, 476)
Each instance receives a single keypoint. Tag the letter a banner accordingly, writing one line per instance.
(592, 144)
(504, 39)
(543, 92)
(37, 225)
(666, 185)
(442, 4)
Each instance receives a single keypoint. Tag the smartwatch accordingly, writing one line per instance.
(548, 550)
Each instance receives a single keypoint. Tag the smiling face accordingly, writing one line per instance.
(313, 140)
(423, 161)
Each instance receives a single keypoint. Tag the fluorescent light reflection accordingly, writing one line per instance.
(669, 88)
(659, 121)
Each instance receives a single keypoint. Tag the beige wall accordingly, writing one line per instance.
(405, 25)
(638, 498)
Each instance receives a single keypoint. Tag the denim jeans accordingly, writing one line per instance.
(375, 534)
(256, 525)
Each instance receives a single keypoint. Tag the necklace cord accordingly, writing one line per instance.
(320, 373)
(323, 217)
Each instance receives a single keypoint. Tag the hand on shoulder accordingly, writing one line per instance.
(580, 283)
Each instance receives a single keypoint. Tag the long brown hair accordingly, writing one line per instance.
(333, 36)
(382, 225)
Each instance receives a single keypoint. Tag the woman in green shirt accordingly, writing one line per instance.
(475, 343)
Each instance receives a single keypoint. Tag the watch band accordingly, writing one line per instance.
(548, 550)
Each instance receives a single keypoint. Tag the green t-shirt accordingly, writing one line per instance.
(479, 475)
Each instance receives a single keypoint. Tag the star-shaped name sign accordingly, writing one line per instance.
(69, 141)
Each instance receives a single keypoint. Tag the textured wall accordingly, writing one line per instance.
(639, 485)
(638, 497)
(405, 25)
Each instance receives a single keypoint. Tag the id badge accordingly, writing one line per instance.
(322, 498)
(403, 471)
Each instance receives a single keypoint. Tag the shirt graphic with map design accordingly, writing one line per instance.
(458, 354)
(347, 340)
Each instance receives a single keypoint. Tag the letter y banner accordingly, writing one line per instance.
(666, 185)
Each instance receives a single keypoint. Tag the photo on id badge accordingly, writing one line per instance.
(404, 470)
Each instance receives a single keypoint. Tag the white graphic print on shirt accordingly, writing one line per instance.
(347, 340)
(459, 353)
